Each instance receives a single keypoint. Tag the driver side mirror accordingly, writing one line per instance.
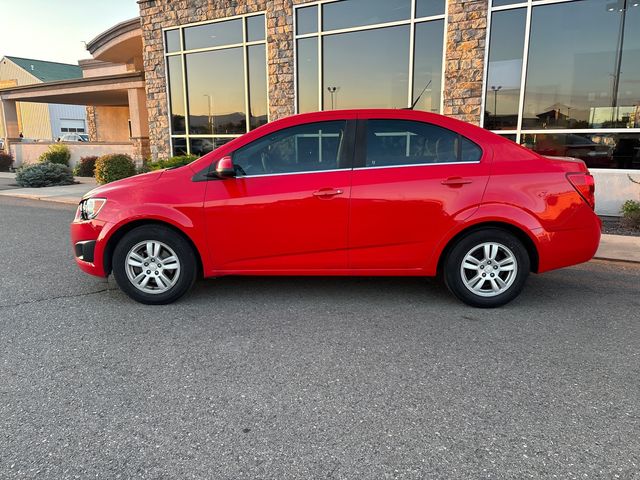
(225, 168)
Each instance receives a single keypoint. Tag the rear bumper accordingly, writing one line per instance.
(569, 247)
(88, 243)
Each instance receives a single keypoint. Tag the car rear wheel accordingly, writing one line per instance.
(154, 265)
(487, 268)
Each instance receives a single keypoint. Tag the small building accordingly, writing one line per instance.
(42, 121)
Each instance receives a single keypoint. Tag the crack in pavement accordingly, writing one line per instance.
(29, 302)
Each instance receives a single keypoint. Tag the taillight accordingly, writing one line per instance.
(585, 186)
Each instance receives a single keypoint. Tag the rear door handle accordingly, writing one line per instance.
(456, 181)
(327, 192)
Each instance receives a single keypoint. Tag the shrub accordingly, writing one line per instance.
(86, 167)
(57, 153)
(44, 175)
(631, 214)
(177, 161)
(6, 160)
(110, 168)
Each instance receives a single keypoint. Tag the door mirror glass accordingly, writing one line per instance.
(225, 168)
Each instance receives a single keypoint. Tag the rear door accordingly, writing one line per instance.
(411, 183)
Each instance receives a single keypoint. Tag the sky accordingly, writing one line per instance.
(55, 29)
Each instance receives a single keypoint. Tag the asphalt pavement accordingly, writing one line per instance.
(349, 378)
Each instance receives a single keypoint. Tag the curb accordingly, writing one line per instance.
(61, 199)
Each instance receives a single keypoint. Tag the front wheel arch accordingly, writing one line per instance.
(127, 227)
(534, 258)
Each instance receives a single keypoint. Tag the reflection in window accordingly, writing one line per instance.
(226, 82)
(216, 92)
(213, 34)
(255, 28)
(176, 95)
(307, 20)
(574, 74)
(304, 148)
(427, 65)
(366, 69)
(307, 57)
(505, 69)
(256, 58)
(179, 146)
(428, 8)
(356, 13)
(402, 142)
(172, 40)
(598, 150)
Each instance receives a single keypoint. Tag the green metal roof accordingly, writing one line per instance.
(48, 71)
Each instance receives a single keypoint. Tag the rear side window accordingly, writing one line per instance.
(405, 142)
(304, 148)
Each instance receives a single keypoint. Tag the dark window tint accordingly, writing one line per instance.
(255, 28)
(213, 34)
(179, 146)
(403, 142)
(356, 13)
(304, 148)
(307, 20)
(172, 38)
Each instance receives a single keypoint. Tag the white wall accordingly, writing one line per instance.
(59, 112)
(613, 188)
(26, 153)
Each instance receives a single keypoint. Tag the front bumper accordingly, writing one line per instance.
(88, 239)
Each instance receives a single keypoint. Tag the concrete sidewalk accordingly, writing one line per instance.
(612, 247)
(70, 194)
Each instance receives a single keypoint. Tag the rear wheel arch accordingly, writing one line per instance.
(519, 233)
(127, 227)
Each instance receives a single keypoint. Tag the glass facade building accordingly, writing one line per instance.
(561, 77)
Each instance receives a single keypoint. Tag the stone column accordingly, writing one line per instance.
(139, 124)
(464, 62)
(280, 59)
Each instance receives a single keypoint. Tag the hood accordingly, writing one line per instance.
(134, 181)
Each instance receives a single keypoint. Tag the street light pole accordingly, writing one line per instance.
(495, 100)
(332, 91)
(209, 110)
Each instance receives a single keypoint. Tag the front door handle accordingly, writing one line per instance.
(456, 181)
(327, 192)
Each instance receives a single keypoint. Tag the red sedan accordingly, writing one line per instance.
(359, 192)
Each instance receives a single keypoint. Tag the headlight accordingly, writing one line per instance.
(89, 208)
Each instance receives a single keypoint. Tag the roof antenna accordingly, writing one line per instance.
(419, 97)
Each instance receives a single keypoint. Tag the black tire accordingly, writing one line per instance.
(474, 242)
(183, 251)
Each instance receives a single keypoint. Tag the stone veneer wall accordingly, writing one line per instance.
(158, 14)
(464, 62)
(92, 127)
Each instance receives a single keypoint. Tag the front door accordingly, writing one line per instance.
(412, 182)
(287, 209)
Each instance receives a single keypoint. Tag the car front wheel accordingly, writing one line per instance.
(154, 265)
(487, 268)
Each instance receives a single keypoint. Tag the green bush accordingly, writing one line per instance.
(44, 175)
(110, 168)
(177, 161)
(86, 167)
(57, 153)
(6, 160)
(631, 214)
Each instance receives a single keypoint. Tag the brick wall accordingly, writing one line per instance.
(464, 62)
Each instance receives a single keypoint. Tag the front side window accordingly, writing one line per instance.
(304, 148)
(403, 142)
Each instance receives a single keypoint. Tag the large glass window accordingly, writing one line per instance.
(369, 54)
(403, 142)
(304, 148)
(220, 68)
(580, 92)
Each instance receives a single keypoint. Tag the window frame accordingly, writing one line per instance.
(360, 159)
(182, 52)
(346, 155)
(412, 21)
